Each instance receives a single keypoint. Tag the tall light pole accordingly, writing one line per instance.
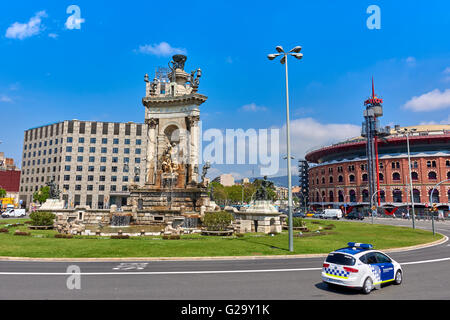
(296, 53)
(407, 133)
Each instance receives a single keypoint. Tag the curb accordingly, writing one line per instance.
(274, 257)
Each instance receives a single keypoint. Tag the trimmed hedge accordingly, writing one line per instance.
(120, 236)
(21, 233)
(42, 218)
(64, 236)
(218, 221)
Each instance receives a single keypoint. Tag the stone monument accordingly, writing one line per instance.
(172, 117)
(261, 216)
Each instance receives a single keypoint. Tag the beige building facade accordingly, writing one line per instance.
(93, 163)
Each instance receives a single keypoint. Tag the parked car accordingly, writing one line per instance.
(299, 214)
(318, 215)
(354, 215)
(332, 214)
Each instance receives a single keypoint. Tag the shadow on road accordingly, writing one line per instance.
(336, 289)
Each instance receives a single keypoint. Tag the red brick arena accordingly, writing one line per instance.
(338, 173)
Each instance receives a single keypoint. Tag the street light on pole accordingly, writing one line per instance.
(407, 133)
(295, 52)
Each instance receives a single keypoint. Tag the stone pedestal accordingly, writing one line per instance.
(262, 216)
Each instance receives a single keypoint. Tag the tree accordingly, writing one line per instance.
(42, 195)
(2, 193)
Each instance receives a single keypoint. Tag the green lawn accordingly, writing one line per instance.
(42, 243)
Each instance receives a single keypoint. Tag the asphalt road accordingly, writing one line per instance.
(426, 276)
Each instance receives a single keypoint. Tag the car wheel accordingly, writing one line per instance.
(398, 277)
(367, 286)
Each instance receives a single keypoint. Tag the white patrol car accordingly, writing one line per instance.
(358, 266)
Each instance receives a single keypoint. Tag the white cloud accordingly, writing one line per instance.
(24, 30)
(4, 98)
(53, 35)
(430, 101)
(162, 49)
(446, 73)
(444, 121)
(252, 107)
(411, 61)
(308, 134)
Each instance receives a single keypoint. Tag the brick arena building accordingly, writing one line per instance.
(338, 174)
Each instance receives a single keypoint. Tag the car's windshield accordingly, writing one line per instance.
(339, 258)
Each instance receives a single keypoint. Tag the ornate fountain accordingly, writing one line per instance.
(172, 115)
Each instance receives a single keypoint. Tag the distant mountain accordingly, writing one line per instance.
(279, 181)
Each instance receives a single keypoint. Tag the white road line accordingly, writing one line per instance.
(425, 261)
(188, 272)
(154, 273)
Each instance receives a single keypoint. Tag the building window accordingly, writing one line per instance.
(364, 177)
(81, 140)
(414, 175)
(93, 140)
(351, 178)
(416, 195)
(396, 176)
(432, 175)
(397, 195)
(340, 179)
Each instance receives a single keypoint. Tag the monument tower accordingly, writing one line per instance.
(172, 116)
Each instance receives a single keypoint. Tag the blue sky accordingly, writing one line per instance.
(96, 72)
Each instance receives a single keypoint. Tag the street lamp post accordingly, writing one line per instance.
(431, 201)
(407, 133)
(296, 53)
(373, 202)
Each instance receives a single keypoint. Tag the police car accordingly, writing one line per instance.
(359, 266)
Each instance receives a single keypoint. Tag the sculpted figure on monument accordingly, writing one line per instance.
(262, 193)
(54, 191)
(167, 164)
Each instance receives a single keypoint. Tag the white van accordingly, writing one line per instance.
(332, 214)
(13, 213)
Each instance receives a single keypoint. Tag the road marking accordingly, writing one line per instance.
(189, 272)
(156, 272)
(425, 261)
